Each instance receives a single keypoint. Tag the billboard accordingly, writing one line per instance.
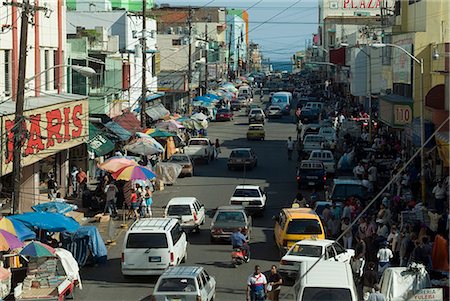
(402, 72)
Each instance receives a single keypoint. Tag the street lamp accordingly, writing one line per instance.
(16, 172)
(422, 112)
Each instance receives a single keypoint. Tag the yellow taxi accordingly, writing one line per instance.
(295, 224)
(256, 132)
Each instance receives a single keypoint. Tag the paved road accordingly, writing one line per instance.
(213, 184)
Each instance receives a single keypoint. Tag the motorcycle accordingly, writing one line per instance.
(238, 257)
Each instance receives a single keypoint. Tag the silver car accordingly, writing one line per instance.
(187, 283)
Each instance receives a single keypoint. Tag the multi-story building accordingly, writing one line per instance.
(106, 5)
(237, 45)
(56, 125)
(255, 58)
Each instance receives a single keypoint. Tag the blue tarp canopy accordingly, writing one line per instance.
(119, 131)
(212, 96)
(83, 243)
(203, 98)
(52, 222)
(57, 207)
(22, 231)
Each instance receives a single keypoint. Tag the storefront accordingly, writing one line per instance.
(56, 129)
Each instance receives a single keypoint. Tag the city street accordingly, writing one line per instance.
(213, 185)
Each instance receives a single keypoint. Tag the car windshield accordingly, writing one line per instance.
(344, 191)
(257, 111)
(240, 154)
(279, 99)
(198, 142)
(326, 294)
(304, 226)
(179, 210)
(306, 250)
(179, 159)
(146, 241)
(230, 216)
(176, 285)
(246, 193)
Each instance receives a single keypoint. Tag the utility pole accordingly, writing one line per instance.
(229, 52)
(19, 120)
(190, 58)
(369, 56)
(144, 66)
(206, 57)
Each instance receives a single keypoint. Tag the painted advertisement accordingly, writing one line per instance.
(401, 74)
(47, 130)
(349, 7)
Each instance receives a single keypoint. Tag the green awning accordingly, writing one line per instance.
(98, 143)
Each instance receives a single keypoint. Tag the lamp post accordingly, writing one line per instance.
(19, 119)
(422, 113)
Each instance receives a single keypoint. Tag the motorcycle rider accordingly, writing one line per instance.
(239, 241)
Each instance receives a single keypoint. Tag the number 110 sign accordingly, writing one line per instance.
(402, 114)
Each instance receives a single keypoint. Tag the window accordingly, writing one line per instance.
(200, 282)
(322, 294)
(339, 249)
(56, 76)
(206, 275)
(146, 241)
(304, 226)
(179, 210)
(46, 66)
(7, 72)
(306, 250)
(246, 193)
(329, 252)
(204, 279)
(230, 216)
(176, 42)
(176, 233)
(176, 285)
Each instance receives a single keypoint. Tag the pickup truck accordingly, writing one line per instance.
(200, 148)
(311, 173)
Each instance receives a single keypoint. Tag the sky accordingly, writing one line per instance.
(280, 27)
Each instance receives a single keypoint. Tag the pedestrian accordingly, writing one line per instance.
(376, 295)
(134, 204)
(348, 235)
(81, 181)
(299, 201)
(326, 214)
(142, 204)
(256, 286)
(336, 210)
(149, 201)
(359, 171)
(384, 256)
(439, 192)
(347, 211)
(73, 179)
(369, 279)
(111, 199)
(290, 147)
(51, 186)
(217, 146)
(406, 247)
(274, 286)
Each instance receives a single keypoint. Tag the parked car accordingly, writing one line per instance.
(326, 157)
(242, 158)
(251, 197)
(188, 283)
(307, 129)
(189, 212)
(274, 112)
(151, 245)
(311, 173)
(185, 162)
(312, 250)
(312, 142)
(200, 148)
(344, 188)
(224, 115)
(309, 116)
(256, 116)
(256, 132)
(295, 224)
(326, 280)
(228, 219)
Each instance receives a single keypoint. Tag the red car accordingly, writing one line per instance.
(224, 115)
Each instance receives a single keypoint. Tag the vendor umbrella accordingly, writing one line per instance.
(145, 146)
(37, 249)
(9, 241)
(52, 222)
(6, 224)
(115, 163)
(134, 173)
(58, 207)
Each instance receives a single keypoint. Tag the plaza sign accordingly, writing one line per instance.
(46, 131)
(350, 6)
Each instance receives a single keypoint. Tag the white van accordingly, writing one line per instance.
(151, 245)
(326, 157)
(245, 91)
(325, 280)
(312, 142)
(283, 101)
(188, 211)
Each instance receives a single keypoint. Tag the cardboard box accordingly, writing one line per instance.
(102, 218)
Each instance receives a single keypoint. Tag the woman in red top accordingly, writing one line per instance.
(134, 203)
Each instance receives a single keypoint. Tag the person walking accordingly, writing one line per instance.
(376, 295)
(369, 279)
(290, 147)
(439, 193)
(348, 235)
(81, 181)
(134, 205)
(148, 197)
(256, 286)
(51, 187)
(217, 148)
(274, 286)
(111, 198)
(384, 256)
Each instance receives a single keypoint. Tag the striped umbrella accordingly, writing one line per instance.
(137, 172)
(37, 249)
(9, 241)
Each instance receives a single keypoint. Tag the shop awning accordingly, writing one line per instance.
(129, 122)
(155, 96)
(157, 112)
(435, 98)
(442, 142)
(119, 131)
(98, 142)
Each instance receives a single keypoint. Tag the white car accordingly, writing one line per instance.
(329, 133)
(251, 197)
(189, 283)
(326, 157)
(274, 112)
(188, 211)
(311, 250)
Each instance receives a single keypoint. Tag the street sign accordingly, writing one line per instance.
(428, 294)
(402, 114)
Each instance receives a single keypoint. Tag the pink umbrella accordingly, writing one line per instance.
(115, 163)
(137, 172)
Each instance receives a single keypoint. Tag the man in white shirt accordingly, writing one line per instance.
(256, 285)
(440, 193)
(290, 147)
(384, 256)
(358, 171)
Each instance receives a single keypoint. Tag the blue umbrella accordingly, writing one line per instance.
(202, 98)
(52, 222)
(212, 96)
(22, 231)
(56, 207)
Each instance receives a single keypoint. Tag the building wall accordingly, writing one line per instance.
(236, 29)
